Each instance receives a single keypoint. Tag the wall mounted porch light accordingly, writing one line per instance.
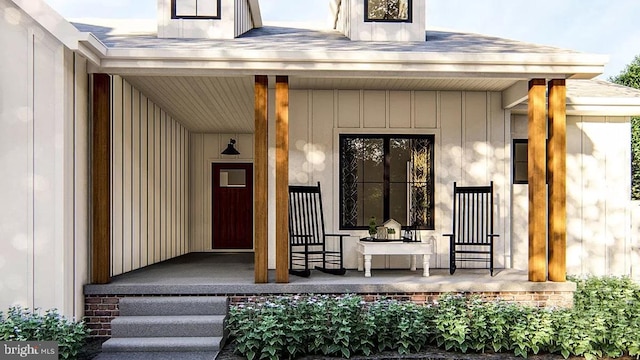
(231, 150)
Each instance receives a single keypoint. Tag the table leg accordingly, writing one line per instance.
(425, 264)
(413, 263)
(367, 266)
(360, 265)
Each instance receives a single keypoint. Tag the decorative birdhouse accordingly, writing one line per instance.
(393, 228)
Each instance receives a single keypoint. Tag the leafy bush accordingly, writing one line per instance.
(605, 321)
(23, 325)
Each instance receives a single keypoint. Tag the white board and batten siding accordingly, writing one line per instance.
(149, 182)
(470, 148)
(351, 22)
(44, 146)
(205, 149)
(599, 238)
(235, 19)
(243, 20)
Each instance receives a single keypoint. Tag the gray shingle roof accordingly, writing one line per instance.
(296, 39)
(600, 89)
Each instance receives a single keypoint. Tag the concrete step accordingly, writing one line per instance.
(168, 326)
(163, 344)
(150, 355)
(173, 305)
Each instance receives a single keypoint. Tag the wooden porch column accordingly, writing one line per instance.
(261, 165)
(100, 175)
(537, 183)
(557, 170)
(282, 179)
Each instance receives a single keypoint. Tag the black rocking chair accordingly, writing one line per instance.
(307, 238)
(472, 235)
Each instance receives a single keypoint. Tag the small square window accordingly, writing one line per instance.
(520, 161)
(195, 9)
(388, 10)
(520, 158)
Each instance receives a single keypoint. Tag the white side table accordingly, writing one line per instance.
(366, 249)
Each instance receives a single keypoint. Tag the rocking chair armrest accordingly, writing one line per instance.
(493, 235)
(449, 235)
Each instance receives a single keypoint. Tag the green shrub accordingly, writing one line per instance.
(605, 321)
(20, 324)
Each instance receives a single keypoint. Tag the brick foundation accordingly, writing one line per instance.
(101, 309)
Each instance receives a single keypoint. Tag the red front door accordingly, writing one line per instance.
(232, 206)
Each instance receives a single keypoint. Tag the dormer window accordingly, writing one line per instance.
(387, 10)
(195, 9)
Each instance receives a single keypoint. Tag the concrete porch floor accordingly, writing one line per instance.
(232, 273)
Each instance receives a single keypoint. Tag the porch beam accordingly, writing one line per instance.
(282, 179)
(557, 173)
(515, 94)
(537, 181)
(261, 164)
(101, 176)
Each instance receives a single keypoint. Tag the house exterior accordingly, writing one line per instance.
(113, 134)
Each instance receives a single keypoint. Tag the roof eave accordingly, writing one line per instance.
(354, 64)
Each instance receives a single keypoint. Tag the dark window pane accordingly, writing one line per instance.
(388, 9)
(373, 160)
(372, 202)
(399, 157)
(520, 173)
(520, 161)
(398, 202)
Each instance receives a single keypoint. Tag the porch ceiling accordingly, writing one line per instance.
(225, 104)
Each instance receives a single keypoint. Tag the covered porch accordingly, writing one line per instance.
(291, 111)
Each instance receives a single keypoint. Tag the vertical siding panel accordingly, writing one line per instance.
(187, 189)
(450, 159)
(375, 111)
(399, 109)
(299, 168)
(135, 117)
(498, 171)
(183, 159)
(245, 146)
(196, 191)
(475, 138)
(618, 138)
(425, 109)
(151, 182)
(178, 205)
(211, 149)
(594, 206)
(117, 215)
(174, 188)
(575, 244)
(321, 118)
(127, 244)
(46, 149)
(144, 182)
(157, 185)
(348, 108)
(163, 185)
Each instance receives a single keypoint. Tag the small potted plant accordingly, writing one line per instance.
(392, 233)
(372, 226)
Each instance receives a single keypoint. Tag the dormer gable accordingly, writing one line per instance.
(207, 19)
(380, 20)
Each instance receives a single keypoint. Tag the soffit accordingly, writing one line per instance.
(225, 104)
